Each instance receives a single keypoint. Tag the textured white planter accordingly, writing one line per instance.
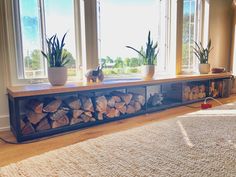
(57, 76)
(204, 68)
(148, 71)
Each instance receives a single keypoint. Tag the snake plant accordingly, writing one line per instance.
(55, 56)
(202, 53)
(150, 54)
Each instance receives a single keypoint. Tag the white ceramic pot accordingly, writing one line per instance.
(204, 68)
(148, 71)
(57, 76)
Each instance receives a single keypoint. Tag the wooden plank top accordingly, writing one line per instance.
(43, 89)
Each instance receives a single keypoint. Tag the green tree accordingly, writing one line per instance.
(109, 59)
(119, 63)
(127, 62)
(134, 62)
(35, 58)
(28, 62)
(71, 63)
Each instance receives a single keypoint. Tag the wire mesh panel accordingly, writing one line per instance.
(216, 88)
(163, 96)
(44, 113)
(118, 103)
(196, 90)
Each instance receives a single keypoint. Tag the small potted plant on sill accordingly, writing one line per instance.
(57, 72)
(149, 57)
(203, 54)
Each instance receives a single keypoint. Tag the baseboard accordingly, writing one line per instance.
(4, 123)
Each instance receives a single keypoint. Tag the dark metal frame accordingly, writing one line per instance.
(14, 109)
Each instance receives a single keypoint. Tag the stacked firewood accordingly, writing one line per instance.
(194, 92)
(82, 109)
(54, 113)
(118, 103)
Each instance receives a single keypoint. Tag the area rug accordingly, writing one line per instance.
(197, 144)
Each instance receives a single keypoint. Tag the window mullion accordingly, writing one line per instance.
(43, 30)
(19, 43)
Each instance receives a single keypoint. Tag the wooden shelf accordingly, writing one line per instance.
(43, 89)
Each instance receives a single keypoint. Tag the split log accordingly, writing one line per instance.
(76, 121)
(101, 104)
(77, 113)
(116, 98)
(35, 118)
(62, 121)
(111, 101)
(139, 98)
(88, 114)
(92, 119)
(130, 109)
(22, 124)
(122, 109)
(85, 118)
(52, 106)
(58, 114)
(27, 129)
(35, 105)
(119, 105)
(126, 97)
(43, 125)
(87, 104)
(112, 112)
(73, 102)
(100, 116)
(137, 106)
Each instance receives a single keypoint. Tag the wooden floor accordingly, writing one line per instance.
(12, 153)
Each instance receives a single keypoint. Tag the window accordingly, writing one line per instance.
(191, 33)
(122, 23)
(99, 30)
(37, 19)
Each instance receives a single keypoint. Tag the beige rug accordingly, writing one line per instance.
(197, 144)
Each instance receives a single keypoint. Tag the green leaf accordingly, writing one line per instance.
(136, 51)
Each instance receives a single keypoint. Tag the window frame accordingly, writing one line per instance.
(16, 23)
(86, 38)
(199, 34)
(168, 68)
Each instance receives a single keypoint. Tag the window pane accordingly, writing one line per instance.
(59, 19)
(127, 22)
(31, 39)
(189, 35)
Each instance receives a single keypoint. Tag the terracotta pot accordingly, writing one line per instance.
(204, 68)
(148, 71)
(57, 76)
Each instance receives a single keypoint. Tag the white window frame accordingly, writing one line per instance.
(86, 38)
(197, 37)
(80, 42)
(167, 40)
(169, 60)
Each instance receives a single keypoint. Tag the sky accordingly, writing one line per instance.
(126, 23)
(59, 20)
(122, 22)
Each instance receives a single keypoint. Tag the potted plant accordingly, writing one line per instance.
(149, 57)
(202, 54)
(57, 72)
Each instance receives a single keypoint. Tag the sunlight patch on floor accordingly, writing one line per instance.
(231, 143)
(185, 135)
(208, 113)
